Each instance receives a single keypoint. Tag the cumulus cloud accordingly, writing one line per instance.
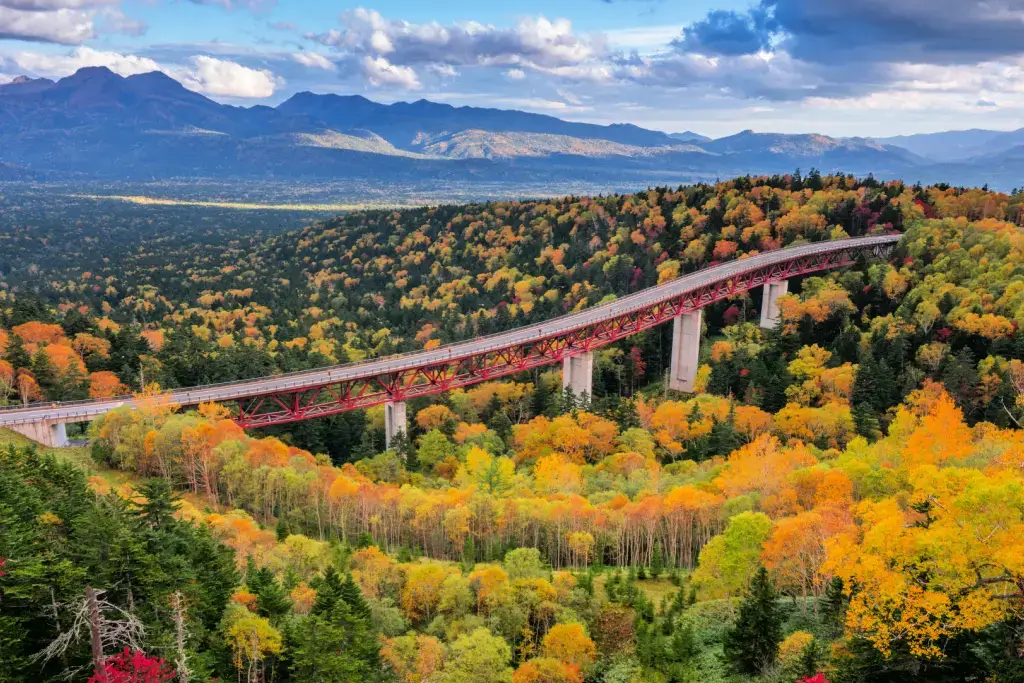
(59, 66)
(515, 75)
(202, 73)
(223, 78)
(63, 26)
(314, 60)
(382, 73)
(66, 22)
(533, 39)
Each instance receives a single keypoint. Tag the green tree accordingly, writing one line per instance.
(657, 560)
(478, 657)
(752, 644)
(729, 561)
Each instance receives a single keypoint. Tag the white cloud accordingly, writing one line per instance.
(533, 39)
(64, 26)
(65, 22)
(205, 74)
(314, 60)
(515, 75)
(443, 70)
(223, 78)
(58, 66)
(382, 73)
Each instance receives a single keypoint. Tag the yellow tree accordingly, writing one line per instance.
(948, 559)
(252, 639)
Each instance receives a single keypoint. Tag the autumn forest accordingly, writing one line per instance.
(840, 500)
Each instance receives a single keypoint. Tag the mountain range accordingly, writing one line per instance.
(96, 124)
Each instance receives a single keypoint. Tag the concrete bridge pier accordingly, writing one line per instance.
(47, 433)
(394, 421)
(578, 374)
(685, 351)
(770, 303)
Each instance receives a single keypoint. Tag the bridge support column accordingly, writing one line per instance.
(685, 351)
(394, 421)
(46, 433)
(578, 374)
(770, 303)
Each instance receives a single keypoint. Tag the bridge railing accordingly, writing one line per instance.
(632, 302)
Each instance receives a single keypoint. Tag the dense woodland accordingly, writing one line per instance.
(842, 500)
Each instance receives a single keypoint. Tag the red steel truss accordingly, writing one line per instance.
(284, 406)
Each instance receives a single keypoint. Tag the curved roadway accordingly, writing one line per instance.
(86, 410)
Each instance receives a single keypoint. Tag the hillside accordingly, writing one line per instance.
(856, 465)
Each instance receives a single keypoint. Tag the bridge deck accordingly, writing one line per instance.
(556, 327)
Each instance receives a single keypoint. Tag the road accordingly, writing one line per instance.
(87, 410)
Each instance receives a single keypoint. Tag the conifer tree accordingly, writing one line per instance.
(352, 595)
(657, 560)
(752, 644)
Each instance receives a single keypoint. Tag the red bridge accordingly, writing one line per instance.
(569, 339)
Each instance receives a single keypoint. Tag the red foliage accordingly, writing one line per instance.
(816, 678)
(731, 315)
(133, 667)
(636, 356)
(3, 563)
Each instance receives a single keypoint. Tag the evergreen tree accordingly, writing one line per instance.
(272, 600)
(657, 560)
(281, 530)
(352, 595)
(328, 592)
(367, 447)
(403, 448)
(157, 510)
(540, 402)
(833, 605)
(752, 644)
(334, 648)
(724, 439)
(626, 414)
(44, 372)
(15, 353)
(469, 553)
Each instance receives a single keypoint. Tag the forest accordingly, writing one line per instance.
(841, 500)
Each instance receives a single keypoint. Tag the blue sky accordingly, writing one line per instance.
(838, 67)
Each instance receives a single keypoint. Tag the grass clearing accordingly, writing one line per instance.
(654, 589)
(79, 456)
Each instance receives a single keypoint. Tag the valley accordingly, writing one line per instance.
(857, 461)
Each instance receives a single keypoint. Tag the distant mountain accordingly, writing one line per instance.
(96, 124)
(402, 122)
(946, 146)
(689, 136)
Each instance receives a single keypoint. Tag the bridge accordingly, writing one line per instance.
(569, 339)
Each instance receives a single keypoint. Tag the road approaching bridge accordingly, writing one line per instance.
(571, 339)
